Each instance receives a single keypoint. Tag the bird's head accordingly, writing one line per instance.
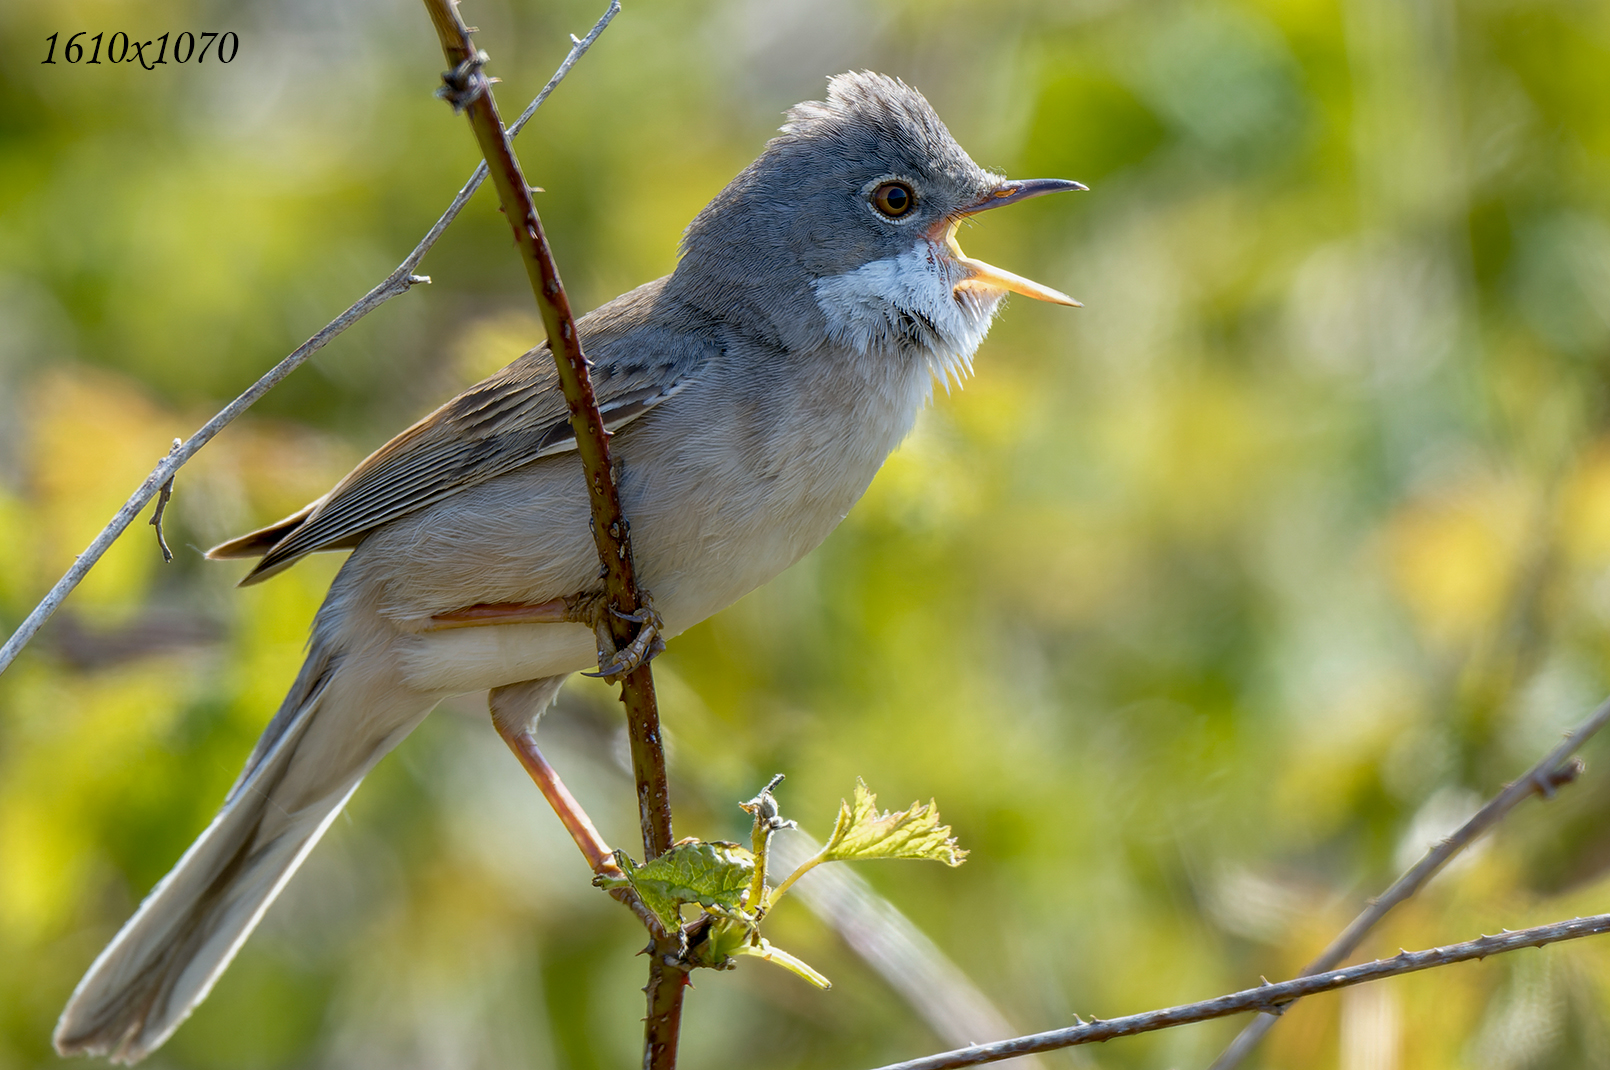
(847, 223)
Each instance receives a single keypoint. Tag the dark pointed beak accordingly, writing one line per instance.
(1012, 192)
(987, 276)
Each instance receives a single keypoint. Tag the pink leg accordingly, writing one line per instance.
(554, 611)
(516, 709)
(598, 853)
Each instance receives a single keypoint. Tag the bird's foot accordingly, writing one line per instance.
(616, 663)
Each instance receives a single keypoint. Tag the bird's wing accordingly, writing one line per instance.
(511, 419)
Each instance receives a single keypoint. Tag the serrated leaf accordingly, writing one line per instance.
(862, 832)
(713, 873)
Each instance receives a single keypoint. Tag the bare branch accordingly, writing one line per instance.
(1267, 997)
(399, 281)
(1553, 772)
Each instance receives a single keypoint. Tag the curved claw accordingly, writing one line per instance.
(616, 664)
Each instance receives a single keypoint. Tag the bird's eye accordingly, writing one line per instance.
(894, 199)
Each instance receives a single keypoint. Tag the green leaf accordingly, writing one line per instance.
(862, 832)
(713, 873)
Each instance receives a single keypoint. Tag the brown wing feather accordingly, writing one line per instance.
(259, 542)
(509, 420)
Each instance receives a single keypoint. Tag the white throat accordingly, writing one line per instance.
(908, 303)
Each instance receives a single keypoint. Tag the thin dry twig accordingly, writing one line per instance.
(1556, 770)
(468, 89)
(398, 282)
(163, 498)
(1266, 997)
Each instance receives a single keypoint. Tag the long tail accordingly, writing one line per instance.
(335, 724)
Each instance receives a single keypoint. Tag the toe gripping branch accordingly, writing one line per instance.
(617, 663)
(614, 662)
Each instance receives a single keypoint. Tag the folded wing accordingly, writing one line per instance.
(638, 356)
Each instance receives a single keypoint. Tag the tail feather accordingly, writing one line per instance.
(259, 542)
(328, 734)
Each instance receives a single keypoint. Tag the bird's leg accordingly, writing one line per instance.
(591, 609)
(553, 611)
(615, 663)
(523, 742)
(515, 710)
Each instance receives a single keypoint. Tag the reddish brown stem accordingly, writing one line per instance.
(397, 282)
(469, 90)
(662, 1029)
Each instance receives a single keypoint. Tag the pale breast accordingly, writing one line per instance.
(726, 485)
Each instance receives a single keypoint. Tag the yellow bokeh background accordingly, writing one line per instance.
(1201, 610)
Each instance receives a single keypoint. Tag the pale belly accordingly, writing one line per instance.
(710, 523)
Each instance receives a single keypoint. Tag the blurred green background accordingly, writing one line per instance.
(1200, 610)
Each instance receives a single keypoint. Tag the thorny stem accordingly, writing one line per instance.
(1267, 997)
(398, 282)
(1553, 772)
(468, 89)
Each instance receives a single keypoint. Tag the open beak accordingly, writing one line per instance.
(989, 277)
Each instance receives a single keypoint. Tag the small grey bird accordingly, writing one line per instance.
(753, 394)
